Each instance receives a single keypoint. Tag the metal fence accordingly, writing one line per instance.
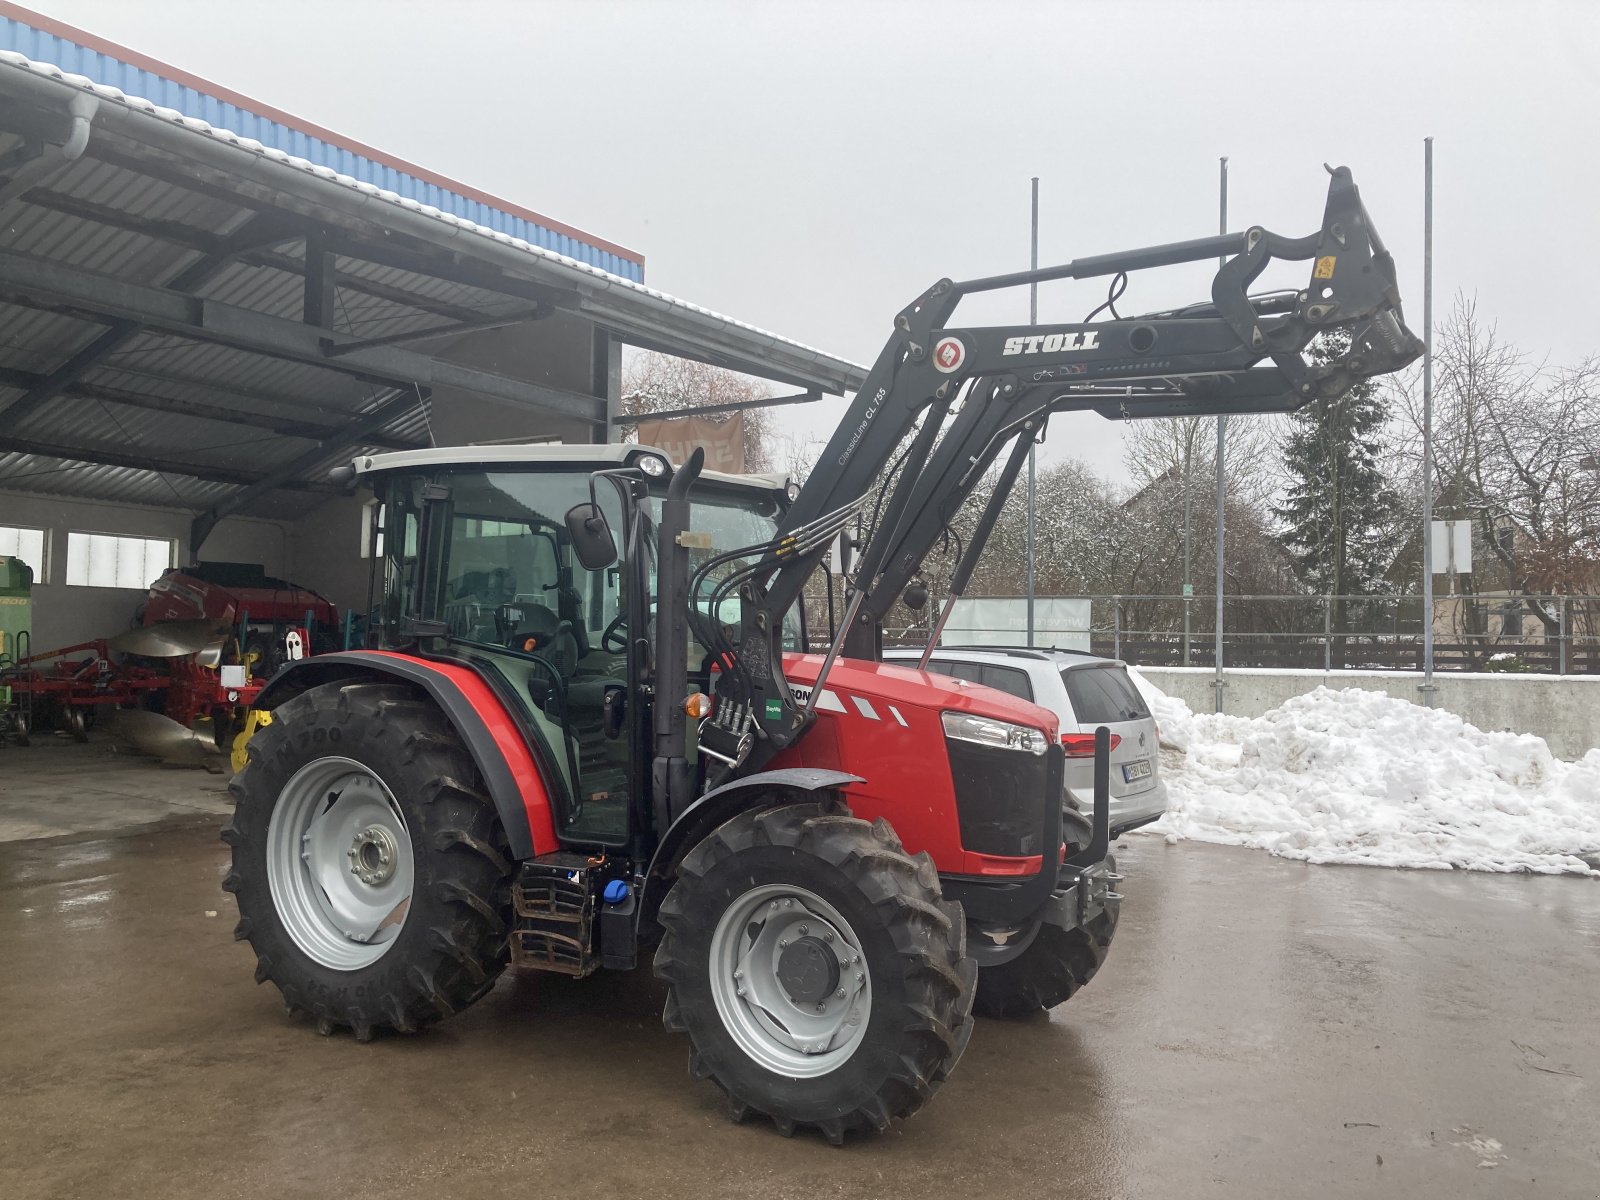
(1557, 635)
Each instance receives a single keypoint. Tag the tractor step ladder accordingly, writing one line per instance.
(553, 898)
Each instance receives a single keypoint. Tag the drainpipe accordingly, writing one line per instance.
(54, 158)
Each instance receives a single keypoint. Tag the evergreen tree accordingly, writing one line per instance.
(1337, 507)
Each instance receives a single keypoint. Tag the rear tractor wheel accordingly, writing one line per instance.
(370, 869)
(820, 977)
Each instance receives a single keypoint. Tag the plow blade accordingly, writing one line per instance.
(161, 737)
(173, 639)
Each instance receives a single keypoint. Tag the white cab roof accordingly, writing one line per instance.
(600, 455)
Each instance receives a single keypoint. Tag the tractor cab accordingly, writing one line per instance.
(474, 561)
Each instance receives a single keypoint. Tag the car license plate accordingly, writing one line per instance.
(1136, 770)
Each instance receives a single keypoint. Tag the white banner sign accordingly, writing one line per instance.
(1452, 547)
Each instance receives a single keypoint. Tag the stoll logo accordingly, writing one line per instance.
(949, 354)
(1052, 343)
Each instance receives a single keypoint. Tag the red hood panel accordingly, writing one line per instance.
(904, 685)
(882, 722)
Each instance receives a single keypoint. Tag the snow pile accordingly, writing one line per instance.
(1354, 776)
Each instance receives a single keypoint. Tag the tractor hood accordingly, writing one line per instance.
(854, 681)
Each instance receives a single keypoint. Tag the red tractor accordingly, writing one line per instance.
(587, 727)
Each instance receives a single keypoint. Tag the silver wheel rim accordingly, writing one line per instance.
(339, 863)
(799, 1039)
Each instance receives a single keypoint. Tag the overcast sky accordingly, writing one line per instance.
(811, 168)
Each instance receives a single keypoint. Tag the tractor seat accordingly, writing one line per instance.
(536, 630)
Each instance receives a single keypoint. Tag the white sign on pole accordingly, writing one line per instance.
(1452, 547)
(1061, 622)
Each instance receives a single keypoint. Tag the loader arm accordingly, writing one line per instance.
(900, 448)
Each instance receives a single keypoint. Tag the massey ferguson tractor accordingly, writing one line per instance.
(587, 728)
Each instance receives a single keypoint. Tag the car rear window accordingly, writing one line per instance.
(1011, 680)
(1103, 694)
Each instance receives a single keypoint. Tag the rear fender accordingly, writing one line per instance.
(788, 786)
(489, 732)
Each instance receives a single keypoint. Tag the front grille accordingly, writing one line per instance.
(999, 798)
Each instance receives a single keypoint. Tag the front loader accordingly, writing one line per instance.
(587, 727)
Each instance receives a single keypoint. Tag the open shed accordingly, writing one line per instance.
(206, 303)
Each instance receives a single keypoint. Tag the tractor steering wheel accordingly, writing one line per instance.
(615, 632)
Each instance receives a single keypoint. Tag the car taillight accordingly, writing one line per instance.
(1081, 745)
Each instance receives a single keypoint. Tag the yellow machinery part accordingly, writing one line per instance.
(253, 720)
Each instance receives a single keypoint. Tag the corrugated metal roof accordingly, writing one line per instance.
(151, 202)
(82, 53)
(612, 295)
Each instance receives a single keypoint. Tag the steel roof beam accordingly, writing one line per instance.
(313, 412)
(439, 331)
(284, 426)
(256, 232)
(170, 310)
(395, 252)
(353, 435)
(706, 410)
(452, 269)
(190, 238)
(145, 462)
(155, 147)
(629, 314)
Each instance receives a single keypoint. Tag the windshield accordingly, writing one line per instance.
(506, 565)
(733, 519)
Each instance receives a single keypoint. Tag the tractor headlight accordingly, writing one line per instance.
(997, 735)
(651, 464)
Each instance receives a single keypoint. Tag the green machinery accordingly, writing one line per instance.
(16, 620)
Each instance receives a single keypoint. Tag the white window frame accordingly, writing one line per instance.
(73, 559)
(41, 572)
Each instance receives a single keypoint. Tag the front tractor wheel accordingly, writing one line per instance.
(1051, 970)
(370, 870)
(820, 977)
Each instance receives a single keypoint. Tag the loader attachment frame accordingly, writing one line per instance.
(941, 403)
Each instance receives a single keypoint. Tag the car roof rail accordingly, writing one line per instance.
(1040, 653)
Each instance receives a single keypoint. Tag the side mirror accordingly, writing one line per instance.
(591, 536)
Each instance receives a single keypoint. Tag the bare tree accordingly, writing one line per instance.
(659, 383)
(1516, 447)
(1186, 448)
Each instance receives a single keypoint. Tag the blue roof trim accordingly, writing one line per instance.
(40, 46)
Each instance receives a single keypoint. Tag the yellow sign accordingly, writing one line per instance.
(1324, 268)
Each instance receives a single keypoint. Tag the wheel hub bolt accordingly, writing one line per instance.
(804, 930)
(372, 855)
(782, 942)
(827, 935)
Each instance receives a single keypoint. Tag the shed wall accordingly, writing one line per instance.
(64, 615)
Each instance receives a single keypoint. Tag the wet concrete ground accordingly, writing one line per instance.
(1262, 1028)
(58, 786)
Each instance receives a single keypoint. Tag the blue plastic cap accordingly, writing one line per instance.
(616, 892)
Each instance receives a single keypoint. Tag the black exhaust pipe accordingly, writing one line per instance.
(672, 782)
